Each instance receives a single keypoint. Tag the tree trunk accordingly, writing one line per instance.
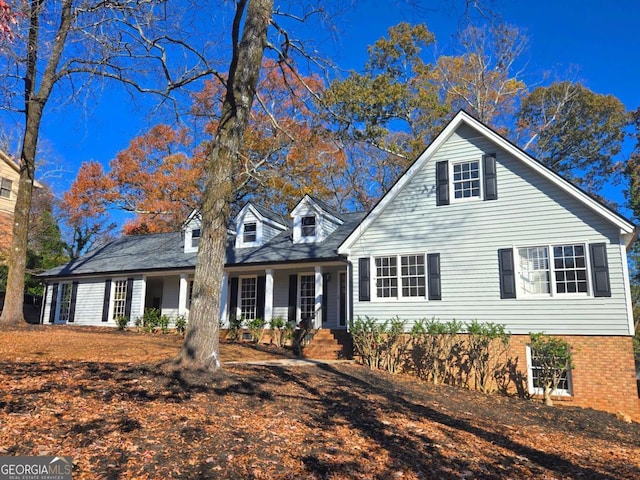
(201, 343)
(14, 297)
(34, 101)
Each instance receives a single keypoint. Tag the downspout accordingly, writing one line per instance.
(349, 293)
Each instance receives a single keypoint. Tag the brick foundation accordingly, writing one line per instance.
(603, 376)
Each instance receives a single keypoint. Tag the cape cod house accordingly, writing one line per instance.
(474, 229)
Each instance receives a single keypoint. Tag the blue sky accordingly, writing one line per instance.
(596, 40)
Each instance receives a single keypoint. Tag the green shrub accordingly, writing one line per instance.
(256, 327)
(150, 320)
(367, 340)
(278, 325)
(181, 324)
(122, 322)
(235, 324)
(436, 348)
(163, 323)
(486, 347)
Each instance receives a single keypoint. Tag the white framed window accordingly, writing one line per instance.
(5, 188)
(400, 276)
(308, 226)
(533, 377)
(249, 232)
(64, 309)
(553, 270)
(248, 297)
(119, 299)
(386, 277)
(465, 180)
(195, 238)
(307, 298)
(570, 266)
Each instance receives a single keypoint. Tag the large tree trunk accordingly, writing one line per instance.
(14, 297)
(201, 342)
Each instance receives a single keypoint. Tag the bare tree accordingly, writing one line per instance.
(55, 50)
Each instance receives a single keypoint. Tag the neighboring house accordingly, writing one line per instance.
(474, 229)
(9, 180)
(9, 177)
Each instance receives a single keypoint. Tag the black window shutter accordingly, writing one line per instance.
(233, 297)
(72, 306)
(261, 284)
(600, 270)
(107, 300)
(433, 274)
(490, 177)
(442, 183)
(54, 303)
(364, 279)
(325, 287)
(507, 273)
(129, 297)
(293, 298)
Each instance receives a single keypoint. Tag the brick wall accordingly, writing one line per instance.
(603, 375)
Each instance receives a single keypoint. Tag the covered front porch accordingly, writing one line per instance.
(315, 294)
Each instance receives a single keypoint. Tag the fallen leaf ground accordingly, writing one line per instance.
(111, 401)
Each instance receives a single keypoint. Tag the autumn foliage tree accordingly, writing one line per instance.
(289, 149)
(156, 179)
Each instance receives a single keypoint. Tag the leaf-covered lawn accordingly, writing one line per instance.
(112, 402)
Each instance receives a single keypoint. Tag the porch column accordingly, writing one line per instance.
(319, 295)
(143, 296)
(224, 298)
(183, 294)
(268, 296)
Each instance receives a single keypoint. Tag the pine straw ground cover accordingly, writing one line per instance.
(111, 401)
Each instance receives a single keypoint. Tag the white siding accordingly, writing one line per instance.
(170, 294)
(89, 302)
(529, 211)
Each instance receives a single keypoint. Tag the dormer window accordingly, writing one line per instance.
(195, 238)
(249, 232)
(308, 226)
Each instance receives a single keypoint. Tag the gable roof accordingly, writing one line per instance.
(266, 214)
(627, 229)
(320, 205)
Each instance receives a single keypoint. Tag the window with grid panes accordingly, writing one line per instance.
(248, 298)
(65, 302)
(119, 299)
(412, 274)
(466, 179)
(386, 277)
(307, 297)
(570, 268)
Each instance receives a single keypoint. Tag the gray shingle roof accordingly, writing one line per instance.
(165, 251)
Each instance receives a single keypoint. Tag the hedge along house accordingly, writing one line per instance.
(474, 229)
